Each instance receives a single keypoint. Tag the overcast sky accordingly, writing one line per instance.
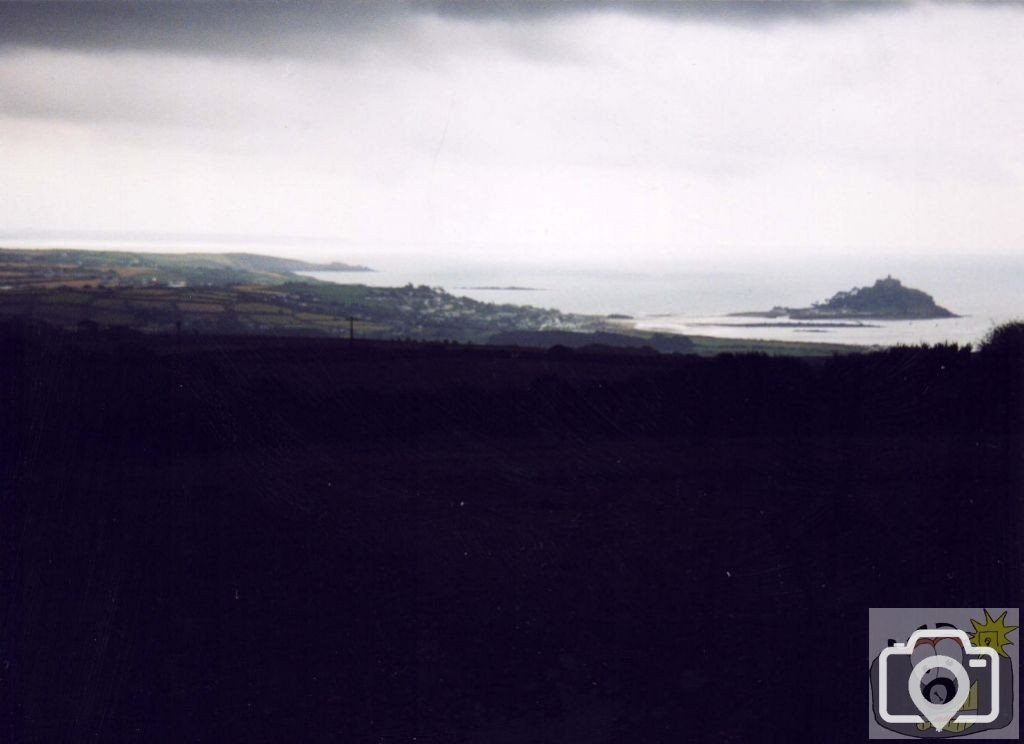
(548, 133)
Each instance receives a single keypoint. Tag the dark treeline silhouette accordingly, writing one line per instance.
(246, 539)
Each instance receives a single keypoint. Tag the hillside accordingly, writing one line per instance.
(60, 267)
(261, 540)
(242, 293)
(307, 308)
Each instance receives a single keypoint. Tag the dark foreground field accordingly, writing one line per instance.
(261, 540)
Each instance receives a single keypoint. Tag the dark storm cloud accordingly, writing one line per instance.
(751, 11)
(226, 28)
(302, 28)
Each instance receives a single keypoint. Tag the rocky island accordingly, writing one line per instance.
(886, 299)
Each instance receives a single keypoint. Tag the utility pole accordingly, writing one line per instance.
(351, 330)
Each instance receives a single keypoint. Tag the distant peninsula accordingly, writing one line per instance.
(44, 267)
(886, 299)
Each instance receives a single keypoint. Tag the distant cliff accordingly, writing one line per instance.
(886, 299)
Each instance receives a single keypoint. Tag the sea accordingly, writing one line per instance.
(696, 298)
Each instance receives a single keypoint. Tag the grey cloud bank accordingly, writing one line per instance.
(254, 28)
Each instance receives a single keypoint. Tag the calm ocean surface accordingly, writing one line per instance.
(693, 299)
